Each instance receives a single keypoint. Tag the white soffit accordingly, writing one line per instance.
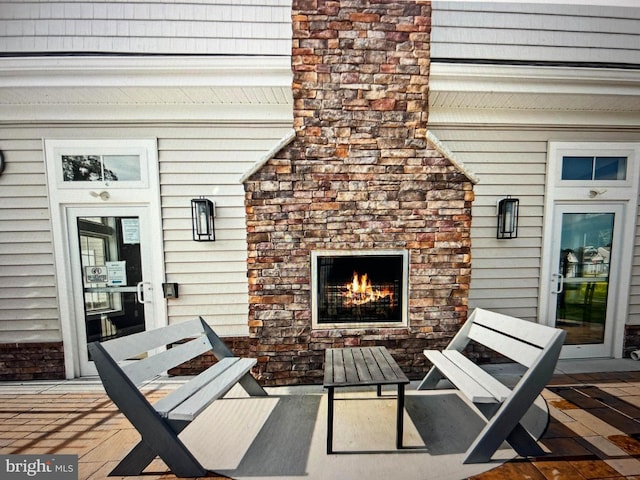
(160, 88)
(529, 94)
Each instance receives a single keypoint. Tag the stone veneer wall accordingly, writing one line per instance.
(360, 174)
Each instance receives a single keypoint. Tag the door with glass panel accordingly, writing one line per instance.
(586, 251)
(112, 289)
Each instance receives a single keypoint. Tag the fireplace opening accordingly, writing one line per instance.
(359, 287)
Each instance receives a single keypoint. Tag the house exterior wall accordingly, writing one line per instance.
(544, 32)
(237, 27)
(208, 135)
(194, 160)
(28, 299)
(212, 156)
(507, 79)
(506, 274)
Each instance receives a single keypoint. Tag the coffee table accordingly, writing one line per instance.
(361, 366)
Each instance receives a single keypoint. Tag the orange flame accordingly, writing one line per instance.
(360, 291)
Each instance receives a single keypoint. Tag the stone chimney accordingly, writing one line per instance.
(359, 172)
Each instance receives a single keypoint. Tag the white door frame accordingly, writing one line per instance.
(586, 193)
(66, 197)
(605, 349)
(151, 274)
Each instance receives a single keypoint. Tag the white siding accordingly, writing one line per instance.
(506, 273)
(524, 32)
(212, 27)
(210, 162)
(194, 160)
(28, 301)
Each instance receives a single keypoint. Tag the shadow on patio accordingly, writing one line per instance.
(592, 433)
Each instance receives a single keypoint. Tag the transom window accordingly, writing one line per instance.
(100, 168)
(100, 164)
(588, 168)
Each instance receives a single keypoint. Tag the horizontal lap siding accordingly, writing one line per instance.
(535, 32)
(28, 300)
(238, 27)
(210, 162)
(194, 160)
(505, 274)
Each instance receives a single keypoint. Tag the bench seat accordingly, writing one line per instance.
(476, 384)
(188, 401)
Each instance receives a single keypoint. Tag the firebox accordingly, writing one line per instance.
(356, 288)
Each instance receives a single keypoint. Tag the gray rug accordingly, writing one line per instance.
(283, 437)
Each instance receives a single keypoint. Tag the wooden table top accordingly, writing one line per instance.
(348, 367)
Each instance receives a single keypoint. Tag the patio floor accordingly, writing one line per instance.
(593, 433)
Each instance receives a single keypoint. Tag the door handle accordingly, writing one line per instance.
(140, 289)
(559, 280)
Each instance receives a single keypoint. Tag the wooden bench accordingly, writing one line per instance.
(536, 347)
(160, 423)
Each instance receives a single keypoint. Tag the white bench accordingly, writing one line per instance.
(536, 347)
(124, 364)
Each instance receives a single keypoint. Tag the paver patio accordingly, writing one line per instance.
(593, 431)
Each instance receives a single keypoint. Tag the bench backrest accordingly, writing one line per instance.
(516, 339)
(149, 346)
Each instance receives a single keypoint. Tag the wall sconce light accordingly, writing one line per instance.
(508, 217)
(202, 220)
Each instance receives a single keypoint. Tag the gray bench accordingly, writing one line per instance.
(124, 364)
(536, 347)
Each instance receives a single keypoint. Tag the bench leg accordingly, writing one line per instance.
(142, 455)
(431, 379)
(522, 442)
(330, 421)
(251, 386)
(135, 462)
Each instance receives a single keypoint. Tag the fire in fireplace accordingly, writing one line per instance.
(359, 287)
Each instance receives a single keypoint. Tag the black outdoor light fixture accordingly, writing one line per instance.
(202, 220)
(508, 217)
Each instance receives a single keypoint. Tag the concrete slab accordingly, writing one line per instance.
(284, 437)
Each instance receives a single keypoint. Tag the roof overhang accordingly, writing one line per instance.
(143, 88)
(543, 95)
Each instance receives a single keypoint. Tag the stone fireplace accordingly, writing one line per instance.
(358, 194)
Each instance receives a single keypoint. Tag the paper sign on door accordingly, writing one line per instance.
(96, 274)
(117, 273)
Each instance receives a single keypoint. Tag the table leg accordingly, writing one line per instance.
(379, 390)
(400, 416)
(330, 421)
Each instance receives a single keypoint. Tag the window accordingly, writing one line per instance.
(94, 253)
(97, 244)
(583, 168)
(100, 168)
(91, 165)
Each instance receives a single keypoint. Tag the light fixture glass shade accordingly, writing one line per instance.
(508, 210)
(202, 220)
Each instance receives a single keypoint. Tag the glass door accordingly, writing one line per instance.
(112, 289)
(586, 249)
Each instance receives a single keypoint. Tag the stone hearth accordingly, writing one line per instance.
(359, 173)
